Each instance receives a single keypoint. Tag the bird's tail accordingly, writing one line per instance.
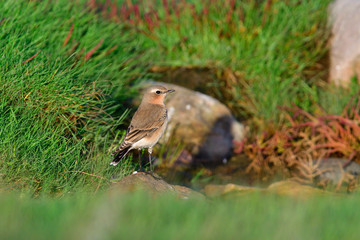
(120, 153)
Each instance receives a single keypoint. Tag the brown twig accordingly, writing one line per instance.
(29, 59)
(91, 52)
(68, 36)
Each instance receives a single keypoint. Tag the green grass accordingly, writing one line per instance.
(60, 112)
(63, 104)
(274, 48)
(138, 216)
(279, 50)
(67, 74)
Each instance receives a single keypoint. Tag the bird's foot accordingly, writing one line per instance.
(154, 175)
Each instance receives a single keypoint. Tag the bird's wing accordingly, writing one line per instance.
(145, 121)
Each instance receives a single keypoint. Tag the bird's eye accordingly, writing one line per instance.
(158, 92)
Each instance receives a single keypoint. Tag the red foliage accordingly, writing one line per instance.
(69, 35)
(173, 10)
(305, 140)
(91, 52)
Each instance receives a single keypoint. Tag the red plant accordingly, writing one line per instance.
(149, 22)
(136, 12)
(146, 22)
(296, 148)
(113, 12)
(205, 11)
(230, 11)
(167, 11)
(68, 36)
(91, 52)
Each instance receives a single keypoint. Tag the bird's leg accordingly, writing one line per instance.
(139, 150)
(150, 151)
(151, 169)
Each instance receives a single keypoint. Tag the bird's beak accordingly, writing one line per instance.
(170, 91)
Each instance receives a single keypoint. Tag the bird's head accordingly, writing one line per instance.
(156, 94)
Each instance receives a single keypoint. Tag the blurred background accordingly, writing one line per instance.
(264, 129)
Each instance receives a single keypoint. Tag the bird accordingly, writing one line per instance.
(147, 125)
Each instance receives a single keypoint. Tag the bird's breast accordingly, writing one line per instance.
(152, 138)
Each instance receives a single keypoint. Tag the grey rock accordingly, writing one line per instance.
(335, 170)
(154, 185)
(345, 41)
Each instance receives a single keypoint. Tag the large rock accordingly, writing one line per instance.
(345, 42)
(204, 125)
(154, 185)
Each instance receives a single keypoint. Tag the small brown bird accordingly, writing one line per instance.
(147, 125)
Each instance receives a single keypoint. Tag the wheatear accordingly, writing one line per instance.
(147, 125)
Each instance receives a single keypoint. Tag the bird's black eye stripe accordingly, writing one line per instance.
(158, 92)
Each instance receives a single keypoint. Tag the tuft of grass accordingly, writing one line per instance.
(277, 47)
(65, 77)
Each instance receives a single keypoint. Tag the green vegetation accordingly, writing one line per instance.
(69, 70)
(61, 102)
(277, 50)
(273, 47)
(139, 216)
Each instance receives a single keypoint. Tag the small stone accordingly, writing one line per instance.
(154, 185)
(293, 188)
(336, 171)
(213, 190)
